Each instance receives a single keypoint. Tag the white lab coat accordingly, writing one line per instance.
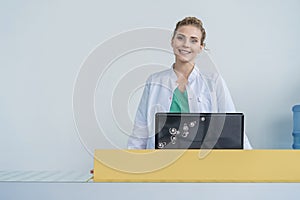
(207, 92)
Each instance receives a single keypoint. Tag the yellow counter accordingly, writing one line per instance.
(197, 166)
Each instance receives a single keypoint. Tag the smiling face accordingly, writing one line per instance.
(186, 43)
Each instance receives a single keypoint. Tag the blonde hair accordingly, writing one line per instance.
(194, 22)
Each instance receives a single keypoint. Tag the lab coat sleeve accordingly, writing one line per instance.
(225, 104)
(224, 100)
(139, 137)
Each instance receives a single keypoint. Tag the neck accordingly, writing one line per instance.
(183, 69)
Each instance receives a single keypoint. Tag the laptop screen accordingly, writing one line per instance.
(199, 130)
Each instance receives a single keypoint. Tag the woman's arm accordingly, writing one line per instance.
(225, 104)
(139, 137)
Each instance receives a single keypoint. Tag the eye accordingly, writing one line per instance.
(194, 41)
(179, 37)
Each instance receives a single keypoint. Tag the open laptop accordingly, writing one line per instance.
(199, 130)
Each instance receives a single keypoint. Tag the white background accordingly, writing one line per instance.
(43, 44)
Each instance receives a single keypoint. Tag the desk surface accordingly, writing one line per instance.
(44, 176)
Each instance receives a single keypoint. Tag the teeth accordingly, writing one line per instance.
(184, 51)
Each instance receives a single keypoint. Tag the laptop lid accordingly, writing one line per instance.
(199, 130)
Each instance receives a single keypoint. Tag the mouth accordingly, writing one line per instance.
(184, 52)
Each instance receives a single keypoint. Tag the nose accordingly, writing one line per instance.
(186, 43)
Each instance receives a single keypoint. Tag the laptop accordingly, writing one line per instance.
(199, 131)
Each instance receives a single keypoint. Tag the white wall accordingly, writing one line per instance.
(43, 44)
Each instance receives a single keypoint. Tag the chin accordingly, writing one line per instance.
(184, 60)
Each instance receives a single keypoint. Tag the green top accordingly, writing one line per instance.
(180, 102)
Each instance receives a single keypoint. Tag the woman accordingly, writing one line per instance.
(182, 88)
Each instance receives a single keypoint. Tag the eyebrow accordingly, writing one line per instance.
(193, 37)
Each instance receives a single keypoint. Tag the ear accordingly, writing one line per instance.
(201, 48)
